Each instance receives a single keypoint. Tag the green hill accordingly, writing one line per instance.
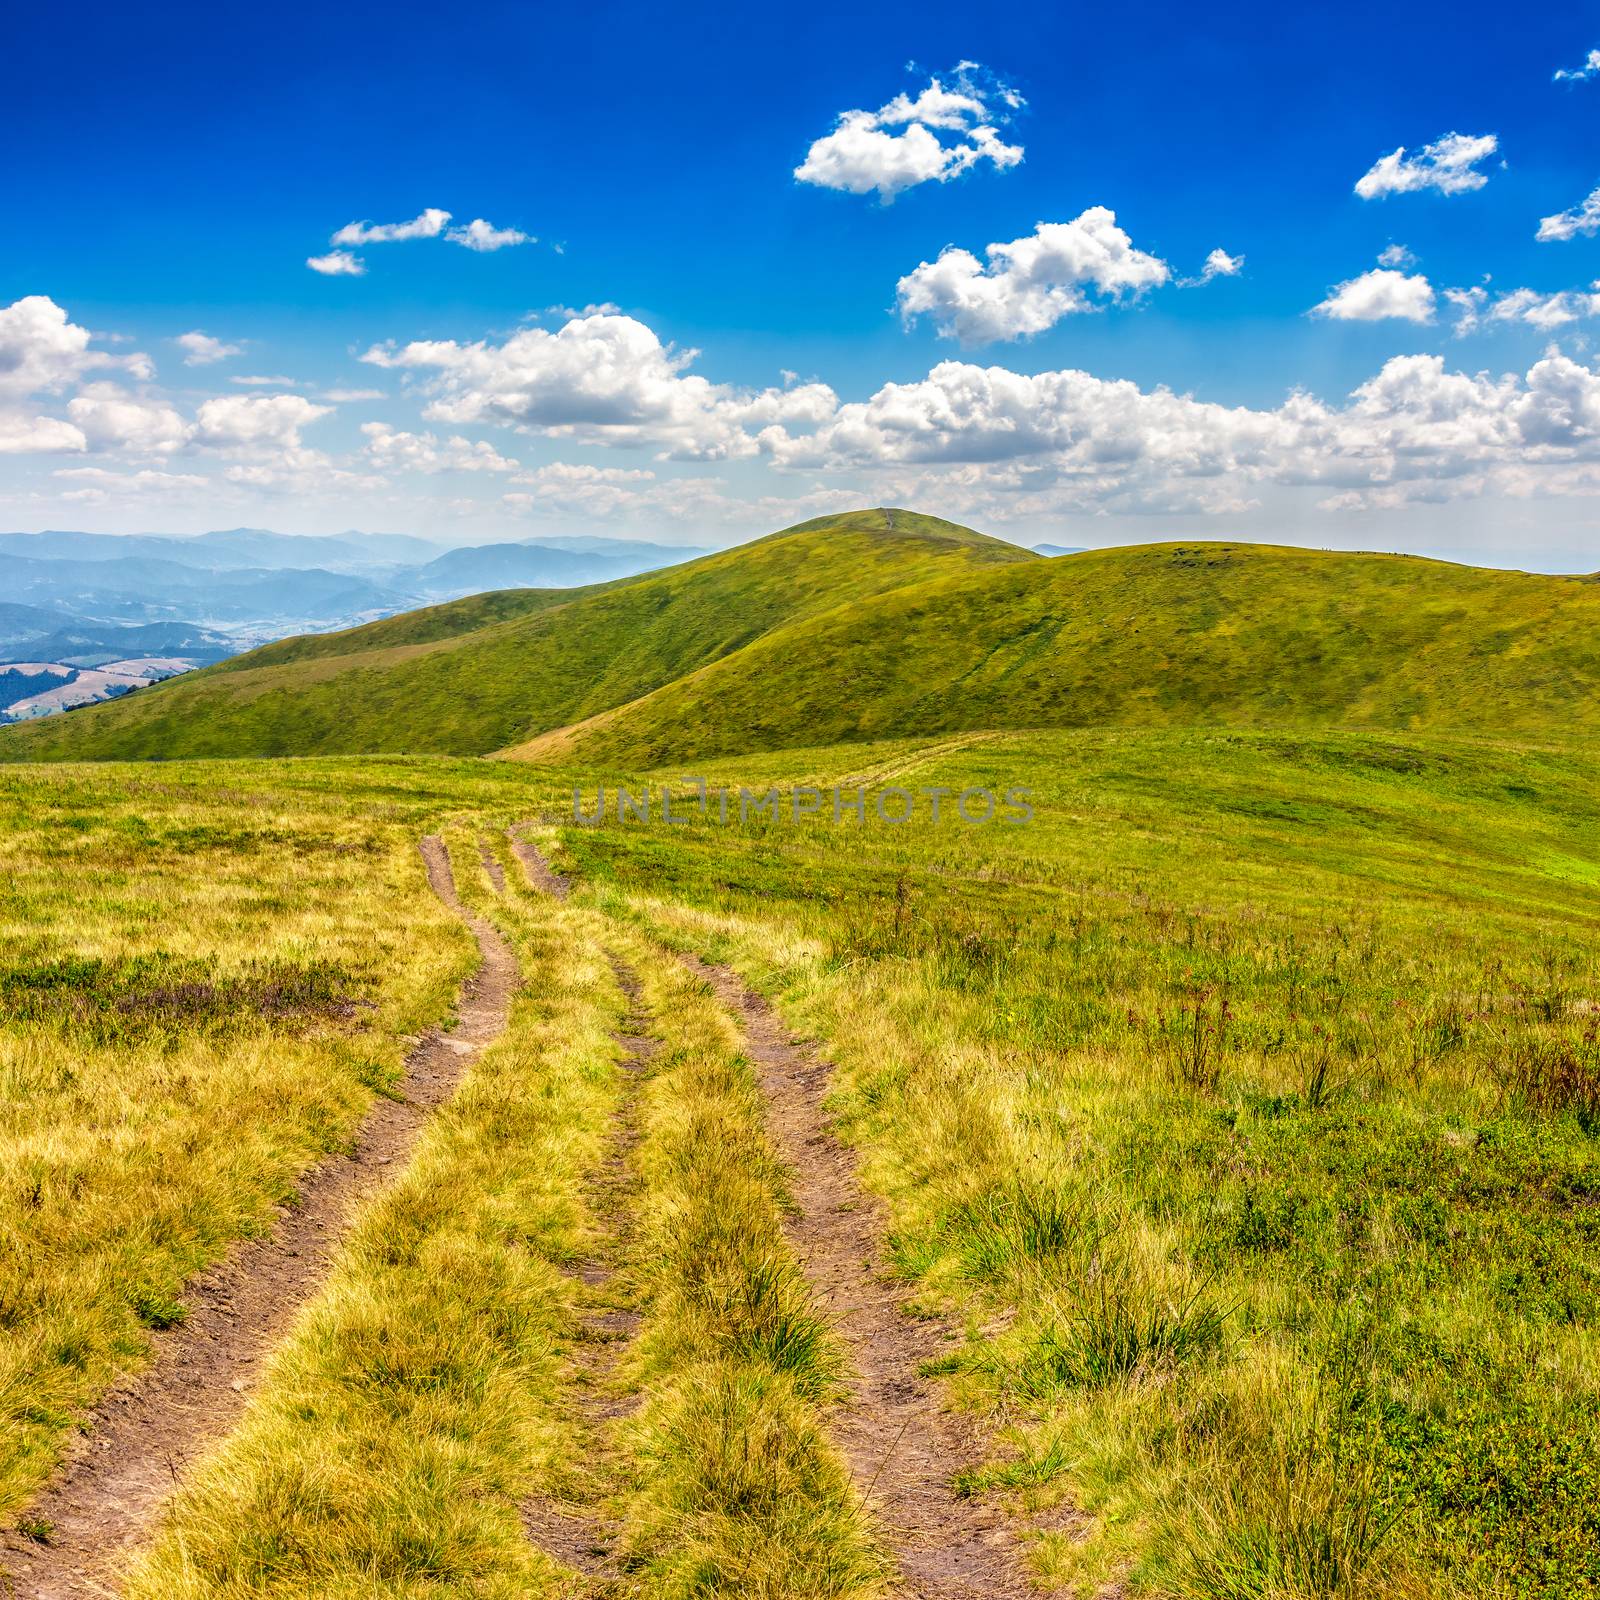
(479, 674)
(1155, 635)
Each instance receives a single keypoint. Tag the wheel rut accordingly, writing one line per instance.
(142, 1436)
(902, 1447)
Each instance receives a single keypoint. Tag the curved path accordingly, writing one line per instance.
(139, 1440)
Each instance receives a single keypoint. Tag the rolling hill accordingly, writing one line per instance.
(887, 624)
(474, 676)
(1147, 636)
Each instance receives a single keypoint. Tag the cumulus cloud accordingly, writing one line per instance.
(1396, 255)
(1378, 295)
(110, 418)
(1546, 312)
(429, 225)
(935, 136)
(1583, 218)
(481, 235)
(201, 350)
(581, 489)
(97, 483)
(1029, 284)
(41, 351)
(1589, 69)
(424, 452)
(21, 434)
(1055, 440)
(338, 264)
(1448, 165)
(605, 379)
(254, 421)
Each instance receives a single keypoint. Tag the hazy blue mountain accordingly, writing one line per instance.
(19, 623)
(147, 589)
(228, 547)
(537, 564)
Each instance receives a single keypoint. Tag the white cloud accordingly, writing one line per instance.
(1546, 312)
(1064, 440)
(1396, 255)
(1219, 264)
(424, 452)
(582, 489)
(256, 380)
(481, 235)
(860, 154)
(345, 397)
(113, 419)
(201, 350)
(1448, 165)
(21, 434)
(1589, 69)
(1029, 284)
(338, 264)
(255, 421)
(1377, 295)
(40, 350)
(1583, 218)
(98, 482)
(429, 225)
(604, 379)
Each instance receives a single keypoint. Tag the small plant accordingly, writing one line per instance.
(1556, 1075)
(1113, 1324)
(38, 1529)
(155, 1309)
(1196, 1036)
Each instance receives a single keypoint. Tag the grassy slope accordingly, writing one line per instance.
(1247, 1102)
(400, 686)
(427, 626)
(1164, 634)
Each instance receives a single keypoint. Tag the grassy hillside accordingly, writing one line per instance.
(422, 684)
(1242, 1107)
(1239, 1113)
(1156, 635)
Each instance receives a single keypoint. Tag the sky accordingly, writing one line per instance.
(1091, 276)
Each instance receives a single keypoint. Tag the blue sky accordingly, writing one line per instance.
(180, 169)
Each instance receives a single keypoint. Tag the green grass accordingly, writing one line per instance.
(1161, 635)
(1243, 1110)
(202, 985)
(1307, 1307)
(451, 680)
(735, 1487)
(421, 1397)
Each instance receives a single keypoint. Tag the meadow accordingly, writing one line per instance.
(1239, 1114)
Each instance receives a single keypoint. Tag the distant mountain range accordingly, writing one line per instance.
(96, 601)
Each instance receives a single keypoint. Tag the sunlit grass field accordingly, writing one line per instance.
(1244, 1108)
(1248, 1105)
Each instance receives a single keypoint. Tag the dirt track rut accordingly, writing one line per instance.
(146, 1432)
(903, 1448)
